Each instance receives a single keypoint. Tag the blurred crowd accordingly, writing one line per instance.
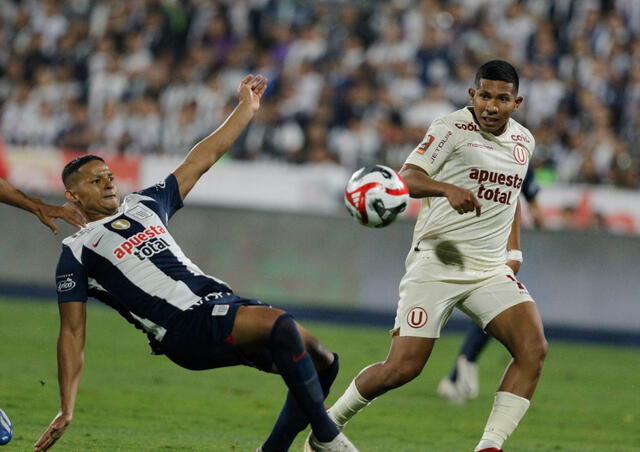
(351, 82)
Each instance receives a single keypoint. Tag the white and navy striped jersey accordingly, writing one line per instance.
(131, 262)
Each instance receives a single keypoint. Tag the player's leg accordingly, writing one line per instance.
(406, 359)
(425, 304)
(520, 329)
(292, 419)
(462, 382)
(257, 328)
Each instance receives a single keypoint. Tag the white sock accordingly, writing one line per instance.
(347, 405)
(508, 409)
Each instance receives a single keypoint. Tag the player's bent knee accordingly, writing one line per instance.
(533, 354)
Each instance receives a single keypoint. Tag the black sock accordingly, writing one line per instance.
(307, 389)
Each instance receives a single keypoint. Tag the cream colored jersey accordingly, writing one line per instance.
(457, 152)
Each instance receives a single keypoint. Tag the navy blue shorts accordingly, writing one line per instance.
(200, 338)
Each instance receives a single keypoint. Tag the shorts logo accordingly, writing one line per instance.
(417, 317)
(66, 285)
(520, 154)
(425, 145)
(121, 224)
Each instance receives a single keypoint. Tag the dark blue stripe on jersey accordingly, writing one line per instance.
(166, 195)
(169, 264)
(130, 296)
(201, 285)
(157, 209)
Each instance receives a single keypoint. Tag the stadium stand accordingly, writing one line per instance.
(350, 82)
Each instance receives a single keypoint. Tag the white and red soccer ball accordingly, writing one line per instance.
(376, 195)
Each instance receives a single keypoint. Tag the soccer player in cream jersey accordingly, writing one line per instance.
(127, 258)
(468, 170)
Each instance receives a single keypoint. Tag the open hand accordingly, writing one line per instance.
(251, 90)
(53, 433)
(68, 212)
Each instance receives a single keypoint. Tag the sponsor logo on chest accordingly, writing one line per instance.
(143, 244)
(497, 194)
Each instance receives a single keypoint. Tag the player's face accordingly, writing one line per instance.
(493, 103)
(94, 190)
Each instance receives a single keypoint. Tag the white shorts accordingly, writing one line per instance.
(430, 290)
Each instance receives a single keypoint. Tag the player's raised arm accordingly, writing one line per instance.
(70, 363)
(207, 152)
(45, 212)
(422, 186)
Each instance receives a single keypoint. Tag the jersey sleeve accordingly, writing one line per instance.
(530, 187)
(71, 278)
(167, 194)
(435, 148)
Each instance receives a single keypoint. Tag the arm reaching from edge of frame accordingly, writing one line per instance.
(73, 316)
(45, 212)
(207, 152)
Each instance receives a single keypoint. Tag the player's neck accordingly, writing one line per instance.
(97, 216)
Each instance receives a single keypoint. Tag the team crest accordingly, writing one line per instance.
(417, 317)
(520, 154)
(121, 224)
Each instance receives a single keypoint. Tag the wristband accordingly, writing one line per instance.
(514, 255)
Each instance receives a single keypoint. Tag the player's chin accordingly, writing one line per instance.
(491, 126)
(111, 204)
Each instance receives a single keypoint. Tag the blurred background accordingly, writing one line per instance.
(350, 83)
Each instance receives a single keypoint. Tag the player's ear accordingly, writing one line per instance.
(519, 100)
(472, 93)
(70, 196)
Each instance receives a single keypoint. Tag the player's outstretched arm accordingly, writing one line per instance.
(70, 363)
(514, 255)
(207, 152)
(422, 186)
(45, 212)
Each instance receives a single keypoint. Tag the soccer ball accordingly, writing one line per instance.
(376, 195)
(6, 429)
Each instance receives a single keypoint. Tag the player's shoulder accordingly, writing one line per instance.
(460, 119)
(521, 134)
(79, 237)
(460, 123)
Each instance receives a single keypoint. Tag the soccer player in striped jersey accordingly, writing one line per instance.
(127, 258)
(45, 212)
(468, 171)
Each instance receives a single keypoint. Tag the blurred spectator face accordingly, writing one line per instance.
(493, 103)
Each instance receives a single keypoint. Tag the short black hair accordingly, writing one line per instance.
(75, 164)
(498, 70)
